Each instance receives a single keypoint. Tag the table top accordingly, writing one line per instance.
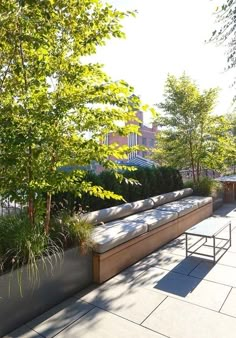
(209, 227)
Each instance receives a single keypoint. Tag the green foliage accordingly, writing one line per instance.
(21, 244)
(232, 121)
(225, 32)
(142, 188)
(192, 137)
(72, 230)
(144, 183)
(205, 187)
(56, 108)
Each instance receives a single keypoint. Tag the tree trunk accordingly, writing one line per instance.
(193, 172)
(31, 209)
(48, 212)
(192, 160)
(198, 171)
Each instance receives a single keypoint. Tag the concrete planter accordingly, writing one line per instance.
(68, 277)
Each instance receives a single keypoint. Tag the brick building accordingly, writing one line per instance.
(147, 138)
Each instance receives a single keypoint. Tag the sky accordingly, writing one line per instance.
(168, 36)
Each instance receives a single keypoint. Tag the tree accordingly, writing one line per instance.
(232, 120)
(226, 17)
(226, 33)
(191, 136)
(56, 109)
(231, 117)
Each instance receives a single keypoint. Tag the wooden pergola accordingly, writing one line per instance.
(229, 184)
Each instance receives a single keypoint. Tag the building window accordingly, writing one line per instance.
(144, 141)
(106, 140)
(132, 141)
(151, 143)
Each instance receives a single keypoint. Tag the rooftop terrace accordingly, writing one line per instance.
(163, 295)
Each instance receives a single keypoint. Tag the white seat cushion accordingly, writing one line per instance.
(108, 214)
(181, 207)
(117, 212)
(114, 233)
(142, 205)
(171, 196)
(153, 218)
(200, 200)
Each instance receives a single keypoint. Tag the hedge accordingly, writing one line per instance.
(152, 181)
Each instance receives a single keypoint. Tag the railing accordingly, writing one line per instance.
(188, 175)
(8, 207)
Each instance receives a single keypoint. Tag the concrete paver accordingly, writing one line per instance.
(229, 259)
(218, 273)
(101, 324)
(229, 306)
(192, 290)
(171, 262)
(125, 300)
(59, 317)
(132, 272)
(178, 319)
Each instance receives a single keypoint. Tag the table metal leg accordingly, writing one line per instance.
(214, 249)
(186, 245)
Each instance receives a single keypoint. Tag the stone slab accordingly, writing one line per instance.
(102, 324)
(178, 319)
(218, 273)
(228, 259)
(59, 317)
(131, 273)
(189, 289)
(124, 300)
(227, 209)
(163, 260)
(229, 306)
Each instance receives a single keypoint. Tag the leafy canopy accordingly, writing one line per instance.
(56, 109)
(191, 136)
(225, 33)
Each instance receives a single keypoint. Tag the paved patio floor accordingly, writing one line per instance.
(163, 295)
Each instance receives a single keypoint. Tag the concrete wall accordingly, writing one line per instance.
(71, 275)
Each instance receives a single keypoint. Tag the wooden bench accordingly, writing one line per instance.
(133, 230)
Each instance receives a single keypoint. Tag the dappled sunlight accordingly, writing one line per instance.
(133, 294)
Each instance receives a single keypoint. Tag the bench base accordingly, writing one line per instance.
(110, 263)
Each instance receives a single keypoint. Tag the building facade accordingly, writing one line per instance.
(146, 138)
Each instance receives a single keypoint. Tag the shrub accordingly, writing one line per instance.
(72, 230)
(205, 187)
(151, 181)
(21, 243)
